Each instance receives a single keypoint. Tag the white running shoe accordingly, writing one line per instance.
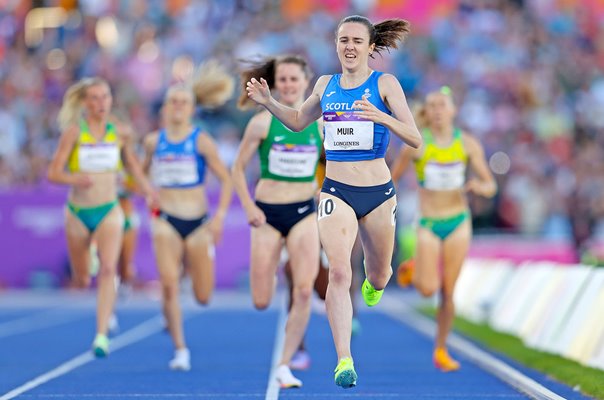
(181, 360)
(286, 379)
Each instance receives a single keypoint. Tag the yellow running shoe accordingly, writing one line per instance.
(100, 346)
(370, 295)
(346, 376)
(404, 273)
(443, 361)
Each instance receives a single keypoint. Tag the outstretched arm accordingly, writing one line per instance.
(296, 120)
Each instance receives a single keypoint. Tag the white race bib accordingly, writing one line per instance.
(99, 157)
(345, 131)
(444, 176)
(293, 161)
(177, 171)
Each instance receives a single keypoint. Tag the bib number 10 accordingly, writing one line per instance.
(326, 207)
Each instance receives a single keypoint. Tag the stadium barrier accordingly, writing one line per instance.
(552, 307)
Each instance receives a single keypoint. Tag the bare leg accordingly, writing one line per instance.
(303, 248)
(199, 258)
(109, 240)
(78, 246)
(125, 265)
(377, 235)
(426, 277)
(169, 250)
(266, 246)
(455, 249)
(338, 230)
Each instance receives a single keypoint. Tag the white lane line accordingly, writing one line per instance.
(37, 321)
(398, 310)
(133, 335)
(320, 395)
(272, 390)
(153, 395)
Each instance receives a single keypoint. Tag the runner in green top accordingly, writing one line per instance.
(289, 156)
(284, 209)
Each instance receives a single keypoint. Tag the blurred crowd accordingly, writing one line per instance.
(527, 77)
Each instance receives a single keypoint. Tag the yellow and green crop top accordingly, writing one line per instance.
(442, 168)
(90, 155)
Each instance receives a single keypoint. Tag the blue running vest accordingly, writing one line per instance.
(177, 165)
(347, 137)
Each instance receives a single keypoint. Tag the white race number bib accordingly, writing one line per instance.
(444, 176)
(345, 131)
(98, 157)
(292, 161)
(177, 171)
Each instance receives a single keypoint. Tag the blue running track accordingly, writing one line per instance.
(45, 340)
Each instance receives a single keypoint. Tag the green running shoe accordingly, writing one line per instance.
(346, 376)
(100, 346)
(370, 295)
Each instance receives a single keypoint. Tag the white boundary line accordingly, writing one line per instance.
(133, 335)
(36, 321)
(272, 389)
(396, 309)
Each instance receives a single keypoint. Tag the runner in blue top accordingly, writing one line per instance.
(360, 107)
(183, 233)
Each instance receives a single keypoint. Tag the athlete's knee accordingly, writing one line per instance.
(302, 294)
(81, 282)
(261, 303)
(340, 274)
(107, 270)
(425, 289)
(379, 279)
(203, 297)
(261, 298)
(170, 290)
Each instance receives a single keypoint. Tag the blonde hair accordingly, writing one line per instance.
(212, 85)
(71, 110)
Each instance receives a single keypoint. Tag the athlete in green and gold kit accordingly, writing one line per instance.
(445, 227)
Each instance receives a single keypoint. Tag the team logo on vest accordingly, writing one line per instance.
(338, 107)
(367, 93)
